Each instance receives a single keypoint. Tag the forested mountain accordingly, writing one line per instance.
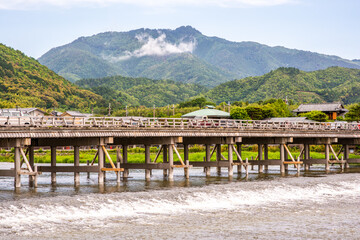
(329, 85)
(141, 91)
(26, 83)
(183, 54)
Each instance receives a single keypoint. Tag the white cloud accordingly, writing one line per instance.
(155, 47)
(33, 4)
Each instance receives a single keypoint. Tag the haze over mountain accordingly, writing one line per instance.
(183, 54)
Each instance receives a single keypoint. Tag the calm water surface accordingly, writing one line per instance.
(311, 205)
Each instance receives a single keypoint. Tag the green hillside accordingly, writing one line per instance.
(329, 85)
(26, 83)
(141, 91)
(209, 61)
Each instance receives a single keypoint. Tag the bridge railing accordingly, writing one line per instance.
(179, 123)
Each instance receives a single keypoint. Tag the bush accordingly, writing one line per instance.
(239, 113)
(316, 116)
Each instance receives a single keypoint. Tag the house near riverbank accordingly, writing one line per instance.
(17, 112)
(332, 110)
(75, 114)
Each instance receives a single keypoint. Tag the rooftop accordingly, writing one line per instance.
(211, 113)
(323, 107)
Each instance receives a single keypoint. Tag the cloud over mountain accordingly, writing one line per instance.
(156, 47)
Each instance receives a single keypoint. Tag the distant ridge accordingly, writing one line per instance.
(183, 54)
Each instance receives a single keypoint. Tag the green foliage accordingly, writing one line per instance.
(354, 113)
(196, 102)
(26, 83)
(124, 91)
(329, 85)
(239, 113)
(316, 116)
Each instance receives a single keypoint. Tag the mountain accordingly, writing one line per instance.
(183, 54)
(24, 82)
(141, 91)
(329, 85)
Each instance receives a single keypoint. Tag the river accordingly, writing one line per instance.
(309, 205)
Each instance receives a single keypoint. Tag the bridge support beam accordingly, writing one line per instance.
(32, 164)
(207, 159)
(327, 157)
(230, 159)
(76, 164)
(171, 162)
(218, 158)
(282, 158)
(266, 155)
(53, 164)
(165, 157)
(147, 161)
(238, 147)
(125, 160)
(260, 158)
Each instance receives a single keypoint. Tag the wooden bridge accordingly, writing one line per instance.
(26, 133)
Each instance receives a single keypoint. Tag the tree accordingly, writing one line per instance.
(354, 113)
(239, 113)
(316, 116)
(254, 112)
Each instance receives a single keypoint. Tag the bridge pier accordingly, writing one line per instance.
(76, 164)
(266, 156)
(239, 167)
(218, 158)
(260, 158)
(165, 157)
(147, 161)
(32, 164)
(53, 163)
(207, 159)
(125, 160)
(171, 162)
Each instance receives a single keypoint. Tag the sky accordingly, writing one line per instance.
(325, 26)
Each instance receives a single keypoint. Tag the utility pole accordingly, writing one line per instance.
(109, 113)
(154, 110)
(173, 108)
(126, 111)
(168, 111)
(229, 106)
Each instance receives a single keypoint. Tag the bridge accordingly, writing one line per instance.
(24, 134)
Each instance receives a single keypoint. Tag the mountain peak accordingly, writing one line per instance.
(187, 30)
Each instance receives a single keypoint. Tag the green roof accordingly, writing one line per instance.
(212, 113)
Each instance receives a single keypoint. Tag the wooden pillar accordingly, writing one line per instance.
(76, 164)
(346, 155)
(101, 165)
(207, 159)
(286, 159)
(147, 161)
(165, 158)
(282, 158)
(230, 159)
(118, 164)
(32, 164)
(260, 157)
(171, 162)
(238, 147)
(306, 156)
(53, 164)
(266, 155)
(17, 167)
(218, 157)
(125, 160)
(327, 157)
(186, 160)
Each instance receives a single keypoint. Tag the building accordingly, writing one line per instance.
(33, 112)
(75, 114)
(332, 110)
(209, 112)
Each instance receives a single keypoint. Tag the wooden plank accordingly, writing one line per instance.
(288, 151)
(26, 160)
(29, 173)
(158, 153)
(314, 161)
(353, 160)
(332, 150)
(93, 161)
(210, 164)
(108, 157)
(265, 162)
(178, 155)
(182, 166)
(293, 162)
(7, 173)
(145, 166)
(68, 169)
(112, 169)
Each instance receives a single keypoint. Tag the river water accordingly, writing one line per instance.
(311, 205)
